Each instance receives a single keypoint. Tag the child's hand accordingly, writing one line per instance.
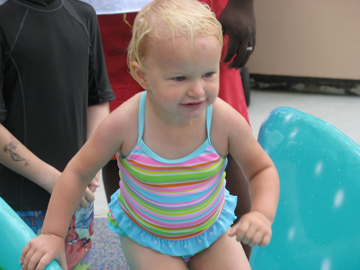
(41, 250)
(252, 229)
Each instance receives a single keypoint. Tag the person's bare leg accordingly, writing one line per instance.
(111, 178)
(224, 253)
(143, 258)
(239, 186)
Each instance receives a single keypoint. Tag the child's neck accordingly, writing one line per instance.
(175, 139)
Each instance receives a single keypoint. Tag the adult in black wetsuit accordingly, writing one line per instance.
(54, 90)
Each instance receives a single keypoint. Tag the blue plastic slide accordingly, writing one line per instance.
(14, 235)
(317, 225)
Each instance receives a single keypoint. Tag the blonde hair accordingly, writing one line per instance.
(161, 20)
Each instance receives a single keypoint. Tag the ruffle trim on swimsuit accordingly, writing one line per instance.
(121, 224)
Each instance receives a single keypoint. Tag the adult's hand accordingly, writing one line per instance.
(94, 184)
(238, 22)
(89, 196)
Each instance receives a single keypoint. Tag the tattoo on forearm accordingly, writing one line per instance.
(11, 148)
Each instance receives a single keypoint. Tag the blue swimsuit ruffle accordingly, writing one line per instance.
(187, 247)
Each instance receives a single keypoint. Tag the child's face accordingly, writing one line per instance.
(183, 79)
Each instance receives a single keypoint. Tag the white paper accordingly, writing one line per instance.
(113, 6)
(116, 6)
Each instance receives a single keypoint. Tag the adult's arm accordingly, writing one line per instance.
(15, 156)
(238, 22)
(101, 146)
(21, 160)
(96, 113)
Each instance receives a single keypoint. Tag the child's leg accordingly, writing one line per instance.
(225, 253)
(143, 258)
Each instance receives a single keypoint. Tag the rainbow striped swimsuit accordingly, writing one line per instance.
(177, 207)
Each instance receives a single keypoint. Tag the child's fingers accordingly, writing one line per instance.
(63, 263)
(239, 229)
(256, 239)
(25, 250)
(31, 260)
(266, 240)
(46, 260)
(26, 255)
(248, 235)
(252, 230)
(41, 250)
(261, 237)
(232, 231)
(38, 262)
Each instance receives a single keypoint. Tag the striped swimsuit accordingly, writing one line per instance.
(177, 207)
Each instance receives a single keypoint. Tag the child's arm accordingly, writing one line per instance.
(67, 194)
(254, 227)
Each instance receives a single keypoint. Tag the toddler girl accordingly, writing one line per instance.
(172, 210)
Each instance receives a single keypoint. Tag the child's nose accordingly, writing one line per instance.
(196, 89)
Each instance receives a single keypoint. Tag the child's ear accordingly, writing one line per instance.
(139, 74)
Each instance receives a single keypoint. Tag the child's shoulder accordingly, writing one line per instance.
(126, 114)
(122, 123)
(224, 114)
(223, 109)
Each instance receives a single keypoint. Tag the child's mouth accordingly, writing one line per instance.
(193, 105)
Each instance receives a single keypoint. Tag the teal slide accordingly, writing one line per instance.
(317, 225)
(14, 235)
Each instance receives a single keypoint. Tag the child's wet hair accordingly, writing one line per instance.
(162, 20)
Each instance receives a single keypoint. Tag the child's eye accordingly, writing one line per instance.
(179, 79)
(209, 74)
